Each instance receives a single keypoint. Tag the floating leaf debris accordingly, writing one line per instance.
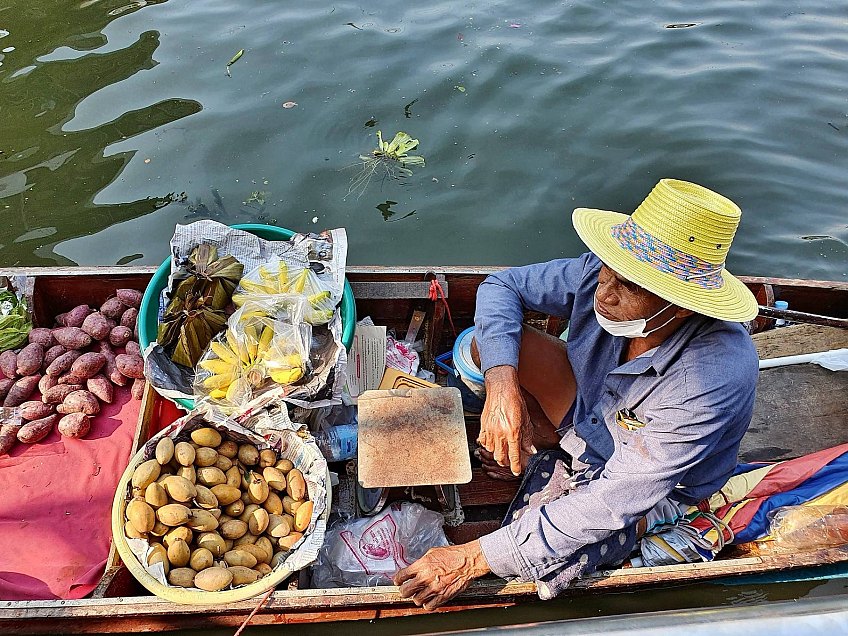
(235, 59)
(390, 159)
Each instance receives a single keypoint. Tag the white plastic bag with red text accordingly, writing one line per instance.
(371, 550)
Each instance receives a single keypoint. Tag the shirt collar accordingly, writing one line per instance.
(664, 354)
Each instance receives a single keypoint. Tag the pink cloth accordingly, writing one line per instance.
(55, 506)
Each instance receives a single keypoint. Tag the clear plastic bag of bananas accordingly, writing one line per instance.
(264, 348)
(277, 281)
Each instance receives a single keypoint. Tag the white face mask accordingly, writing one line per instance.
(629, 328)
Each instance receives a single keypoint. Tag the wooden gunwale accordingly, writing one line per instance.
(334, 604)
(131, 613)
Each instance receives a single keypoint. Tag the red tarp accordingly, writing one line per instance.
(55, 506)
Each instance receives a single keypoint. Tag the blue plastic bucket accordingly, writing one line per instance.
(463, 373)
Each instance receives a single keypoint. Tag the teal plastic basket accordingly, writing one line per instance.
(148, 314)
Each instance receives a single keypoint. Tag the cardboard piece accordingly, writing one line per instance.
(366, 361)
(394, 379)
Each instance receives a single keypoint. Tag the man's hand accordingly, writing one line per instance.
(505, 428)
(441, 574)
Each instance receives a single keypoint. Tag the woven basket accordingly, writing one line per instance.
(186, 596)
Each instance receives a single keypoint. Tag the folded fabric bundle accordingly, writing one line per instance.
(738, 513)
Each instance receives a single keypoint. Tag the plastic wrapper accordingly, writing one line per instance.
(261, 351)
(370, 551)
(798, 528)
(15, 323)
(278, 281)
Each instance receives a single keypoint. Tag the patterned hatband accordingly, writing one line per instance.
(665, 258)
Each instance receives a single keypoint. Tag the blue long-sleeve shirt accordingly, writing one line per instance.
(694, 393)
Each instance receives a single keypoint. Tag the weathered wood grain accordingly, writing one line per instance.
(799, 409)
(798, 339)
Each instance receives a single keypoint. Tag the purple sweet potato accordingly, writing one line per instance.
(79, 402)
(87, 365)
(9, 363)
(63, 363)
(129, 318)
(130, 297)
(70, 378)
(42, 336)
(72, 337)
(110, 369)
(58, 393)
(120, 336)
(132, 348)
(137, 390)
(75, 425)
(75, 317)
(21, 390)
(135, 331)
(8, 437)
(113, 308)
(60, 319)
(51, 354)
(35, 410)
(46, 383)
(97, 325)
(130, 365)
(5, 386)
(30, 359)
(100, 387)
(37, 430)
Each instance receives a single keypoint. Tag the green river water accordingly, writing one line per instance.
(119, 120)
(111, 109)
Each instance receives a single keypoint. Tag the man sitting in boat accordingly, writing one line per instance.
(638, 417)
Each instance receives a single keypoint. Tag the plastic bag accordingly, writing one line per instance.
(15, 324)
(262, 348)
(809, 527)
(401, 356)
(278, 281)
(370, 551)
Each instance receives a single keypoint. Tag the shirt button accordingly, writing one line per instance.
(594, 420)
(610, 393)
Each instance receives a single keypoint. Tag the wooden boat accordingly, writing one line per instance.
(390, 295)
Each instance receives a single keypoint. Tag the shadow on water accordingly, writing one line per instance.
(36, 158)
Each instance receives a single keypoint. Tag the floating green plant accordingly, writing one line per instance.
(389, 159)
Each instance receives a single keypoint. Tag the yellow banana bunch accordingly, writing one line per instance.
(244, 362)
(271, 283)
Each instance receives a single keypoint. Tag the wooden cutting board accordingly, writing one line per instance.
(412, 437)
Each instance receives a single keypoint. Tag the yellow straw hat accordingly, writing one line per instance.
(674, 245)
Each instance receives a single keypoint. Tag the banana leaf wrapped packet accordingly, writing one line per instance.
(195, 314)
(213, 277)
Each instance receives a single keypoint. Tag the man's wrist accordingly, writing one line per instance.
(503, 376)
(477, 564)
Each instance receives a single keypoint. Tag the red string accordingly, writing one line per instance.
(435, 290)
(255, 609)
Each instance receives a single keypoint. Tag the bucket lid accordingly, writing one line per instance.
(371, 500)
(462, 357)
